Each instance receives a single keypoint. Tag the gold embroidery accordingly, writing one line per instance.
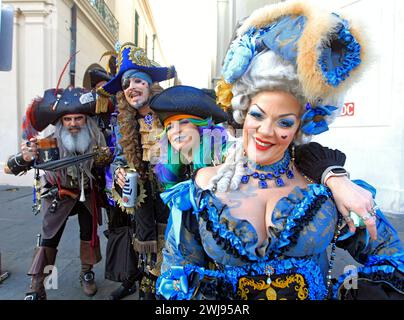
(136, 55)
(302, 292)
(149, 138)
(296, 280)
(244, 283)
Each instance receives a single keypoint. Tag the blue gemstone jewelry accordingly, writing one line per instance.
(273, 172)
(148, 119)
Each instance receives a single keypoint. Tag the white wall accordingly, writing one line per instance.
(91, 46)
(41, 49)
(30, 70)
(373, 137)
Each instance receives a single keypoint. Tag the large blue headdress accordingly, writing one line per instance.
(322, 48)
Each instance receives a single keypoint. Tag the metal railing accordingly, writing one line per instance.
(107, 16)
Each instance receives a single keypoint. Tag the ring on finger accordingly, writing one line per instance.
(347, 219)
(373, 210)
(366, 217)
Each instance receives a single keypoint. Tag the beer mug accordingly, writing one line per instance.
(47, 150)
(129, 192)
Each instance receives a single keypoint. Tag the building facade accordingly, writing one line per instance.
(46, 34)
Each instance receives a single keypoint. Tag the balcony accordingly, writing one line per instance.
(107, 16)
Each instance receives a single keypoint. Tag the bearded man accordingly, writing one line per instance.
(69, 191)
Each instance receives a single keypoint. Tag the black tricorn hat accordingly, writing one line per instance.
(93, 75)
(56, 104)
(187, 100)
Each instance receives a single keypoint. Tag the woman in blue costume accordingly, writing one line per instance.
(255, 227)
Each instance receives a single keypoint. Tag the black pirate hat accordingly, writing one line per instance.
(187, 100)
(55, 104)
(95, 74)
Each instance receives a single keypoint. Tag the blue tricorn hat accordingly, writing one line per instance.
(132, 57)
(187, 100)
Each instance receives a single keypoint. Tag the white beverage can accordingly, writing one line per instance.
(129, 192)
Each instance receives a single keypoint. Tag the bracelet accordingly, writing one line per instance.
(333, 171)
(17, 164)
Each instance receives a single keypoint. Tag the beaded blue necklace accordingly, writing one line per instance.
(273, 172)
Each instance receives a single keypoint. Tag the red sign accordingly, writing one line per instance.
(348, 109)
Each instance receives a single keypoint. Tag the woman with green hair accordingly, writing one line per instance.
(192, 138)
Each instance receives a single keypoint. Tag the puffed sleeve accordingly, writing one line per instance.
(119, 157)
(183, 251)
(382, 260)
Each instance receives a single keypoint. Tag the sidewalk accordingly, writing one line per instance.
(18, 230)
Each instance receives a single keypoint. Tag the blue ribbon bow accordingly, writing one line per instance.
(180, 198)
(313, 119)
(176, 286)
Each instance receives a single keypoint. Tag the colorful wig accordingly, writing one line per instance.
(170, 170)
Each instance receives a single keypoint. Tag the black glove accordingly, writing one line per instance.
(312, 159)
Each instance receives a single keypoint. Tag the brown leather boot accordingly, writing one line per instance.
(87, 280)
(43, 256)
(88, 256)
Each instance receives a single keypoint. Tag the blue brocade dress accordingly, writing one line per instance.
(210, 254)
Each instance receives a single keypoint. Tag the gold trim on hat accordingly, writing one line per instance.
(101, 91)
(137, 55)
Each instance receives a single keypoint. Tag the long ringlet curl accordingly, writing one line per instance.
(230, 173)
(128, 127)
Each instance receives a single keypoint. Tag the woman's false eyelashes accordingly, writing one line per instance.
(286, 122)
(256, 113)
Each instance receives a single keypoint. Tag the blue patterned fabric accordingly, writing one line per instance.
(304, 225)
(336, 60)
(284, 35)
(340, 58)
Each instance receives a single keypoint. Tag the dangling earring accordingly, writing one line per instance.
(293, 153)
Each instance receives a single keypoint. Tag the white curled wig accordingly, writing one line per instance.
(267, 72)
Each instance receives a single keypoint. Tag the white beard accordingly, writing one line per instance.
(76, 143)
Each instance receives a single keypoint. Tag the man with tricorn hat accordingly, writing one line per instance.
(121, 263)
(67, 189)
(137, 148)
